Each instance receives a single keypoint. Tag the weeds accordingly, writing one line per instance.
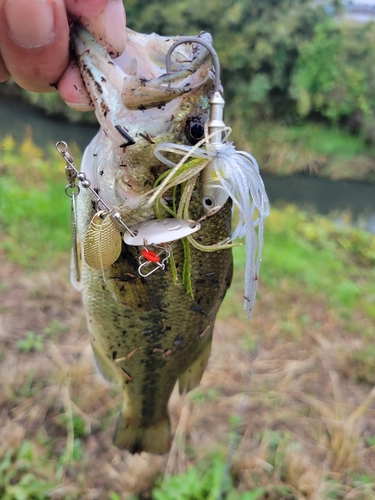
(34, 211)
(204, 480)
(17, 482)
(313, 149)
(31, 342)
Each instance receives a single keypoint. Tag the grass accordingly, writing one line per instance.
(33, 205)
(309, 148)
(286, 406)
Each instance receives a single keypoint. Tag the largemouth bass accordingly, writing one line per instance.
(148, 332)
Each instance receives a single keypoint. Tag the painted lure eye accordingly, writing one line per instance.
(194, 130)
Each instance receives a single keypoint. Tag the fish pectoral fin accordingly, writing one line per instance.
(192, 376)
(129, 435)
(104, 367)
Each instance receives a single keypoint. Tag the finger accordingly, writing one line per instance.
(34, 41)
(4, 73)
(104, 19)
(73, 90)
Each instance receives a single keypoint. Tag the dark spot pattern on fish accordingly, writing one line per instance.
(198, 309)
(104, 108)
(162, 306)
(88, 71)
(147, 332)
(178, 340)
(127, 277)
(98, 87)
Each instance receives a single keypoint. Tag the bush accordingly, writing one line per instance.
(334, 76)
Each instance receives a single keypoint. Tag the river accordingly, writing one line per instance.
(322, 195)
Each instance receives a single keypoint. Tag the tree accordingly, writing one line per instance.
(257, 42)
(335, 76)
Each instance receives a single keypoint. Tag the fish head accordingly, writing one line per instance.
(139, 106)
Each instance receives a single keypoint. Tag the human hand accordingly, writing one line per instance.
(34, 42)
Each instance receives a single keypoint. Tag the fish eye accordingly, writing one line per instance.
(208, 202)
(194, 130)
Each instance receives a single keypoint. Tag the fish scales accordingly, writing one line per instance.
(147, 332)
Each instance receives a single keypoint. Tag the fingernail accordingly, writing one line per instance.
(31, 24)
(115, 24)
(79, 106)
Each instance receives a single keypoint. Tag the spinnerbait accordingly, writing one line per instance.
(227, 173)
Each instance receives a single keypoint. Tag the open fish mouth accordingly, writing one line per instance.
(122, 89)
(139, 105)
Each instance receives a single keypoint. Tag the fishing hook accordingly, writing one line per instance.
(211, 50)
(216, 124)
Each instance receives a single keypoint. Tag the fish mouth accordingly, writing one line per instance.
(139, 105)
(137, 80)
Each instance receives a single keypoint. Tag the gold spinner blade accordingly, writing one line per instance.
(103, 241)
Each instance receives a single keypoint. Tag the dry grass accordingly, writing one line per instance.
(303, 419)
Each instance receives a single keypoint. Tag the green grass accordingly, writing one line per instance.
(326, 140)
(34, 211)
(310, 251)
(312, 148)
(19, 480)
(209, 479)
(320, 138)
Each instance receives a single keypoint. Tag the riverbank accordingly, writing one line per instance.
(313, 149)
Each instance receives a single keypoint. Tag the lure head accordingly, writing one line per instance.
(139, 106)
(213, 195)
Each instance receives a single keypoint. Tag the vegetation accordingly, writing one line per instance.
(334, 76)
(264, 39)
(285, 408)
(295, 78)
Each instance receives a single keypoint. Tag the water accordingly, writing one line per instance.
(17, 118)
(323, 195)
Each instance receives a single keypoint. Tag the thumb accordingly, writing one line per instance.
(104, 19)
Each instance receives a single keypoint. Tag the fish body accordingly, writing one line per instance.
(148, 332)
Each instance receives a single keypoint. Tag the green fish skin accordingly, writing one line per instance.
(147, 333)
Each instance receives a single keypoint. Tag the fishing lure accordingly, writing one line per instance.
(227, 173)
(102, 245)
